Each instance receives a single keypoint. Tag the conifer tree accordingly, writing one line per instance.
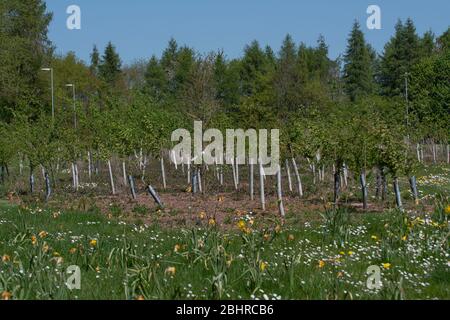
(358, 73)
(110, 66)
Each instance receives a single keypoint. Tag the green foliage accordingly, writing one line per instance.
(358, 68)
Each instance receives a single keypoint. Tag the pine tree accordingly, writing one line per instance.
(400, 54)
(285, 78)
(155, 78)
(254, 70)
(443, 42)
(24, 50)
(95, 60)
(427, 44)
(358, 73)
(110, 66)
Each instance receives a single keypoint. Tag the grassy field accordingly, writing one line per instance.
(313, 255)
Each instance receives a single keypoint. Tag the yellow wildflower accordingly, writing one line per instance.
(404, 238)
(177, 248)
(45, 248)
(202, 215)
(43, 234)
(291, 237)
(350, 253)
(212, 222)
(241, 225)
(171, 271)
(374, 238)
(447, 209)
(33, 240)
(73, 250)
(266, 237)
(140, 298)
(321, 264)
(387, 266)
(6, 295)
(342, 253)
(263, 266)
(278, 229)
(6, 258)
(93, 243)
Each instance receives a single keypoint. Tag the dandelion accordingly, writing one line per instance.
(33, 240)
(350, 253)
(6, 258)
(447, 210)
(43, 234)
(241, 225)
(263, 266)
(93, 243)
(56, 254)
(202, 215)
(171, 271)
(342, 253)
(212, 222)
(374, 238)
(387, 266)
(404, 238)
(322, 264)
(177, 248)
(6, 295)
(73, 250)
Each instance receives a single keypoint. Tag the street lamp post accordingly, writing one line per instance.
(53, 94)
(407, 99)
(71, 85)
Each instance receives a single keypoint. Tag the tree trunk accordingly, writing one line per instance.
(384, 185)
(337, 184)
(48, 188)
(89, 165)
(379, 184)
(31, 179)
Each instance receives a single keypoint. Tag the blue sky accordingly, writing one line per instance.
(140, 28)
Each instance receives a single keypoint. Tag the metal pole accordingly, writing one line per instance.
(53, 95)
(74, 108)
